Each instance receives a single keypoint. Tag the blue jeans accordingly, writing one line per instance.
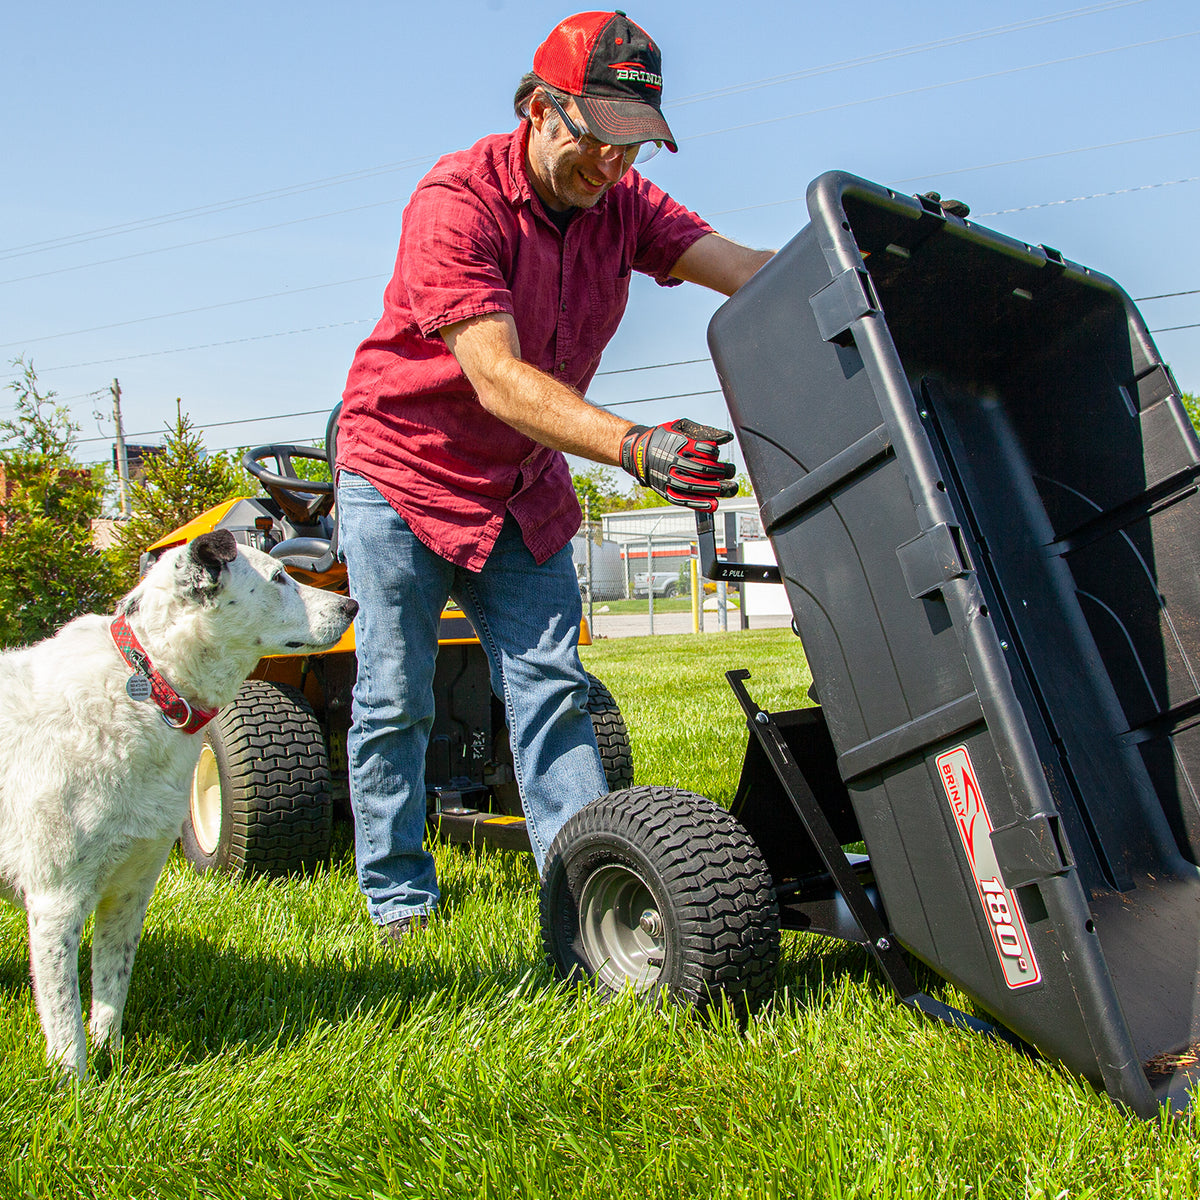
(527, 618)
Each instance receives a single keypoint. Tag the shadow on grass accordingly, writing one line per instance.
(195, 998)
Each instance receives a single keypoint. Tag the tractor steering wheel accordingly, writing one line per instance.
(302, 500)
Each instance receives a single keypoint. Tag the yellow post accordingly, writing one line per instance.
(695, 578)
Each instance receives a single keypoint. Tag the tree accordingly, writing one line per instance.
(1191, 404)
(50, 571)
(179, 483)
(600, 489)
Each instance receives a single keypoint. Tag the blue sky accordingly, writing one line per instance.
(203, 201)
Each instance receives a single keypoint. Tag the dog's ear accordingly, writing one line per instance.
(206, 557)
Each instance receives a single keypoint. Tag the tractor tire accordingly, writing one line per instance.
(612, 740)
(260, 801)
(611, 735)
(661, 890)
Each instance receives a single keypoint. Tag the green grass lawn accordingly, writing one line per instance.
(638, 607)
(276, 1049)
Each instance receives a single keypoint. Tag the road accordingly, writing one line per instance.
(614, 625)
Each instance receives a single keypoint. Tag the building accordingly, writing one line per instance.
(664, 540)
(666, 536)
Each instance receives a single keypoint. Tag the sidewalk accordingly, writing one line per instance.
(613, 625)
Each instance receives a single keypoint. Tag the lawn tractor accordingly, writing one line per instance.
(272, 770)
(983, 495)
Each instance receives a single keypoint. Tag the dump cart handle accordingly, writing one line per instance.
(724, 570)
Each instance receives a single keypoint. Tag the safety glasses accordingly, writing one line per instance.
(638, 152)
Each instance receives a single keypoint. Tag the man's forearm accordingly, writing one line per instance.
(529, 399)
(552, 413)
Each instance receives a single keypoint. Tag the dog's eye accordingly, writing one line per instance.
(279, 577)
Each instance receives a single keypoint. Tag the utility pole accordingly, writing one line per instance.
(122, 457)
(587, 545)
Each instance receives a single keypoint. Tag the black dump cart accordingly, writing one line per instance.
(981, 489)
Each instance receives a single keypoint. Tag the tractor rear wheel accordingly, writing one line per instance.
(260, 800)
(658, 889)
(612, 737)
(612, 740)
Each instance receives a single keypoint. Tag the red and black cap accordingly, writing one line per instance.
(614, 71)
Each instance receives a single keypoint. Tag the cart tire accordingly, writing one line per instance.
(661, 890)
(260, 801)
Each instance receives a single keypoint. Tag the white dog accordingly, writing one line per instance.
(97, 748)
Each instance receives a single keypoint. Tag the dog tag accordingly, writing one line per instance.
(139, 687)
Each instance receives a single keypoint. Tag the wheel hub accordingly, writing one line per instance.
(651, 923)
(621, 928)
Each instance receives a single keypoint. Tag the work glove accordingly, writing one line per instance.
(679, 460)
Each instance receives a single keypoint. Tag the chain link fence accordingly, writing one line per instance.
(637, 575)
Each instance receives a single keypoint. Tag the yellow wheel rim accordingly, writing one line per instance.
(206, 801)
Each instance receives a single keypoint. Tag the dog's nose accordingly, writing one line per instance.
(349, 608)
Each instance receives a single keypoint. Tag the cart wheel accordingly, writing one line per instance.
(655, 888)
(260, 801)
(612, 738)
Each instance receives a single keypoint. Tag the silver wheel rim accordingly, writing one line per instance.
(621, 928)
(206, 801)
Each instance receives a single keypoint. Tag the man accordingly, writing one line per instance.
(512, 275)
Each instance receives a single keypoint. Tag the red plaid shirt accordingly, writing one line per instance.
(475, 239)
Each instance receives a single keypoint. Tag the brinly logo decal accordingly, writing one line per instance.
(999, 905)
(634, 72)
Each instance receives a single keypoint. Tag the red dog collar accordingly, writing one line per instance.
(147, 684)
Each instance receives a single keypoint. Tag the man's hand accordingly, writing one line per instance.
(680, 462)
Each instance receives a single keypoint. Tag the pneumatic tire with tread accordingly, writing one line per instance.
(612, 740)
(261, 802)
(657, 888)
(612, 737)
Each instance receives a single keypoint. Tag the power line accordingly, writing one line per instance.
(693, 137)
(313, 412)
(724, 212)
(362, 173)
(672, 396)
(1168, 295)
(612, 404)
(718, 213)
(222, 237)
(186, 312)
(261, 337)
(683, 362)
(931, 87)
(1144, 187)
(317, 412)
(205, 210)
(1009, 162)
(901, 52)
(687, 362)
